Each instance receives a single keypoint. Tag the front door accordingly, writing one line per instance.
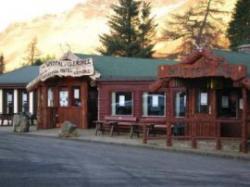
(204, 113)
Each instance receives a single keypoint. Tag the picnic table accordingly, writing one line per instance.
(6, 117)
(113, 124)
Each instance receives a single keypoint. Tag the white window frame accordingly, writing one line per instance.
(113, 106)
(145, 105)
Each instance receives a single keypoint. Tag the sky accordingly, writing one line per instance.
(20, 10)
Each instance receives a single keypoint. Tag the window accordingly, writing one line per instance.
(9, 102)
(64, 98)
(122, 103)
(76, 97)
(153, 104)
(180, 104)
(50, 97)
(202, 102)
(24, 102)
(228, 103)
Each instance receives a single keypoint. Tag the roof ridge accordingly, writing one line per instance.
(121, 57)
(230, 51)
(17, 69)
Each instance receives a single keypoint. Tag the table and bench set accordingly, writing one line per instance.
(7, 119)
(115, 124)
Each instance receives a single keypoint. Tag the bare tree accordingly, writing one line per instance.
(198, 27)
(32, 52)
(2, 64)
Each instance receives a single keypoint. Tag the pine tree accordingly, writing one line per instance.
(239, 27)
(198, 27)
(146, 31)
(131, 30)
(2, 64)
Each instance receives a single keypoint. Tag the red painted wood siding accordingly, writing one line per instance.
(105, 89)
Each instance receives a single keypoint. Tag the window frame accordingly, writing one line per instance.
(228, 94)
(21, 103)
(72, 96)
(154, 93)
(52, 104)
(5, 103)
(114, 113)
(198, 104)
(174, 104)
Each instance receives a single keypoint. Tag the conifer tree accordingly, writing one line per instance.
(131, 29)
(146, 31)
(239, 27)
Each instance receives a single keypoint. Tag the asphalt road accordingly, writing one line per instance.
(38, 161)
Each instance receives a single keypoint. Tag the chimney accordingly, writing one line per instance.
(244, 48)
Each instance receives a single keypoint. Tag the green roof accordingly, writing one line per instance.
(120, 68)
(123, 68)
(235, 57)
(20, 76)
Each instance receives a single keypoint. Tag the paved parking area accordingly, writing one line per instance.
(42, 161)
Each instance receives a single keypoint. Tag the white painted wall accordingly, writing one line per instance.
(31, 102)
(15, 101)
(1, 101)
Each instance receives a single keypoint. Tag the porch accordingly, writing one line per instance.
(208, 100)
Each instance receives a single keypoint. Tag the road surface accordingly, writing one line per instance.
(43, 162)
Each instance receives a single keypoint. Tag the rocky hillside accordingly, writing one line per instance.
(78, 29)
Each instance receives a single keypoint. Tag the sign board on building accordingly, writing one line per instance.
(66, 68)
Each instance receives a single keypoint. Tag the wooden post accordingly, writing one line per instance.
(244, 129)
(218, 139)
(31, 102)
(215, 124)
(84, 98)
(145, 134)
(169, 115)
(169, 133)
(194, 141)
(15, 101)
(191, 118)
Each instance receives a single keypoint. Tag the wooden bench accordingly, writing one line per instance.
(9, 119)
(102, 126)
(118, 124)
(6, 117)
(154, 125)
(154, 129)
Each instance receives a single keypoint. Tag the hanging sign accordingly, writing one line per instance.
(65, 68)
(25, 97)
(155, 100)
(9, 97)
(241, 104)
(225, 102)
(122, 100)
(76, 93)
(204, 99)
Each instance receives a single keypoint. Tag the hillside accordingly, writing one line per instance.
(78, 29)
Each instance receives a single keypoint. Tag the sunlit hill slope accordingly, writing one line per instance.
(78, 29)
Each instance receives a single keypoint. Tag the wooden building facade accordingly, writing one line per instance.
(14, 97)
(215, 98)
(206, 96)
(89, 97)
